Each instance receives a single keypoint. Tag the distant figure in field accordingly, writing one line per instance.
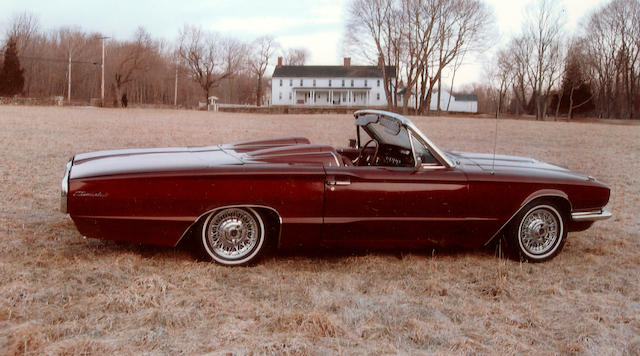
(124, 100)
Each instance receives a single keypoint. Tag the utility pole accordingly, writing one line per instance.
(69, 80)
(175, 89)
(102, 81)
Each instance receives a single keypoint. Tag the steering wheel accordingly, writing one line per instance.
(360, 155)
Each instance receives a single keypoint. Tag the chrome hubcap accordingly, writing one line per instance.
(539, 231)
(232, 233)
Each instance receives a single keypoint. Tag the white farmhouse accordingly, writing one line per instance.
(344, 85)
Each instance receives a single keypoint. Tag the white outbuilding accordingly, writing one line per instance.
(451, 102)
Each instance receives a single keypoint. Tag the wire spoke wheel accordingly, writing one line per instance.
(233, 236)
(540, 232)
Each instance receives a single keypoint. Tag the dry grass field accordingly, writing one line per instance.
(61, 294)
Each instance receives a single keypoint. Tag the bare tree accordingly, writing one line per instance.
(613, 46)
(24, 28)
(501, 76)
(461, 25)
(131, 59)
(373, 29)
(263, 49)
(543, 29)
(204, 54)
(76, 47)
(296, 56)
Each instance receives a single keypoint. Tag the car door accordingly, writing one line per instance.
(393, 207)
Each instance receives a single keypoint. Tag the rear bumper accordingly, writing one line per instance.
(595, 215)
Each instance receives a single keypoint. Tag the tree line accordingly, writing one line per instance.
(542, 71)
(68, 62)
(546, 71)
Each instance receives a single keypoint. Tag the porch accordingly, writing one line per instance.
(332, 96)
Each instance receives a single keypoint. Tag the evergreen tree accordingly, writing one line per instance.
(11, 75)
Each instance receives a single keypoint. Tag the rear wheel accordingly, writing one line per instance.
(233, 236)
(538, 232)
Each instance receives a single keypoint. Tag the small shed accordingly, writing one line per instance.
(213, 103)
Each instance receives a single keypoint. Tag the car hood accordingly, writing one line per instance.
(131, 161)
(515, 165)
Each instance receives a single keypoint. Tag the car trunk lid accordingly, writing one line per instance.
(131, 161)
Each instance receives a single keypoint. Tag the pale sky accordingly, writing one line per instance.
(317, 25)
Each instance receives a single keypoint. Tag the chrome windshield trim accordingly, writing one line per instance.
(595, 215)
(439, 155)
(64, 191)
(413, 149)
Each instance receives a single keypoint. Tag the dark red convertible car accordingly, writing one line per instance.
(391, 188)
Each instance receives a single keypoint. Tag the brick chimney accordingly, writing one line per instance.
(347, 62)
(380, 61)
(279, 61)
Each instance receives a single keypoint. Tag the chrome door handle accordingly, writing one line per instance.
(338, 181)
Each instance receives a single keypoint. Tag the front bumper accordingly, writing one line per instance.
(595, 215)
(65, 187)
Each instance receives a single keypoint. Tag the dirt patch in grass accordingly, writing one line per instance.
(60, 294)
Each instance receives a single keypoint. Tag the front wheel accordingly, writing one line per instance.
(233, 236)
(538, 232)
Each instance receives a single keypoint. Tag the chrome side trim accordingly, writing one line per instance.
(65, 187)
(595, 215)
(531, 198)
(257, 159)
(231, 206)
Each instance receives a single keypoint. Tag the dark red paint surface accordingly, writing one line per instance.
(154, 196)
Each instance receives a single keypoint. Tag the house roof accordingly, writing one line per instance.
(332, 71)
(465, 97)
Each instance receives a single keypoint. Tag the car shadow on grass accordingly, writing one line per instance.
(189, 250)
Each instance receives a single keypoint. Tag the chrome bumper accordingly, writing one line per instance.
(591, 215)
(65, 188)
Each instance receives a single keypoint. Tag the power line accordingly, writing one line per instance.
(48, 59)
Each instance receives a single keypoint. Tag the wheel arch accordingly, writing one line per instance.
(271, 217)
(557, 196)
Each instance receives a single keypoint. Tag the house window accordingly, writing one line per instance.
(314, 82)
(378, 96)
(351, 82)
(378, 83)
(280, 82)
(342, 82)
(300, 82)
(329, 82)
(280, 96)
(290, 96)
(365, 82)
(290, 82)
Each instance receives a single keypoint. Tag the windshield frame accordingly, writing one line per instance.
(411, 129)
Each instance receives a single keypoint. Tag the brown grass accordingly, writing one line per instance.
(60, 294)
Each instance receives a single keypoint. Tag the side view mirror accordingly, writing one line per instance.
(352, 143)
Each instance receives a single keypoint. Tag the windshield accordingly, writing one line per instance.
(390, 129)
(387, 131)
